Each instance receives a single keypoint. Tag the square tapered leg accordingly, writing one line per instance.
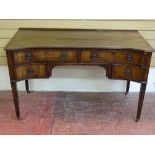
(15, 98)
(141, 98)
(127, 87)
(27, 86)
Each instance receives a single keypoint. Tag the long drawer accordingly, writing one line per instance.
(116, 56)
(41, 55)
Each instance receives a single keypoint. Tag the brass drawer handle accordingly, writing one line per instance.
(29, 56)
(63, 56)
(30, 71)
(129, 57)
(127, 72)
(93, 56)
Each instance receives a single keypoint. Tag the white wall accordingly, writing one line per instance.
(77, 78)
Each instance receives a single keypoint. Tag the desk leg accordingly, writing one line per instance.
(127, 87)
(141, 98)
(15, 98)
(27, 86)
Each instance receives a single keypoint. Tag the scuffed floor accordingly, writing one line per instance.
(76, 113)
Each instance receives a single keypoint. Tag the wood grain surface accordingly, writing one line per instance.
(77, 38)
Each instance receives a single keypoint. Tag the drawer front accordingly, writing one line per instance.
(96, 56)
(128, 72)
(117, 56)
(132, 57)
(31, 71)
(44, 56)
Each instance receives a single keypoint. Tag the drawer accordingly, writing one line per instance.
(116, 56)
(31, 71)
(44, 56)
(132, 57)
(97, 56)
(128, 72)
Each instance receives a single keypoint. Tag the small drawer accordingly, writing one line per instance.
(132, 57)
(97, 56)
(31, 71)
(128, 72)
(40, 55)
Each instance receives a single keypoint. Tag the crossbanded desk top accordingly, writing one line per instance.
(78, 38)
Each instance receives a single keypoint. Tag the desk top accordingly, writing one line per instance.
(77, 38)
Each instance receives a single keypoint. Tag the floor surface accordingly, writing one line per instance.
(74, 113)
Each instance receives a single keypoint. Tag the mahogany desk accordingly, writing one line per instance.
(32, 53)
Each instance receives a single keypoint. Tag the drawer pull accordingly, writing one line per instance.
(93, 56)
(127, 72)
(63, 56)
(129, 57)
(30, 71)
(29, 56)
